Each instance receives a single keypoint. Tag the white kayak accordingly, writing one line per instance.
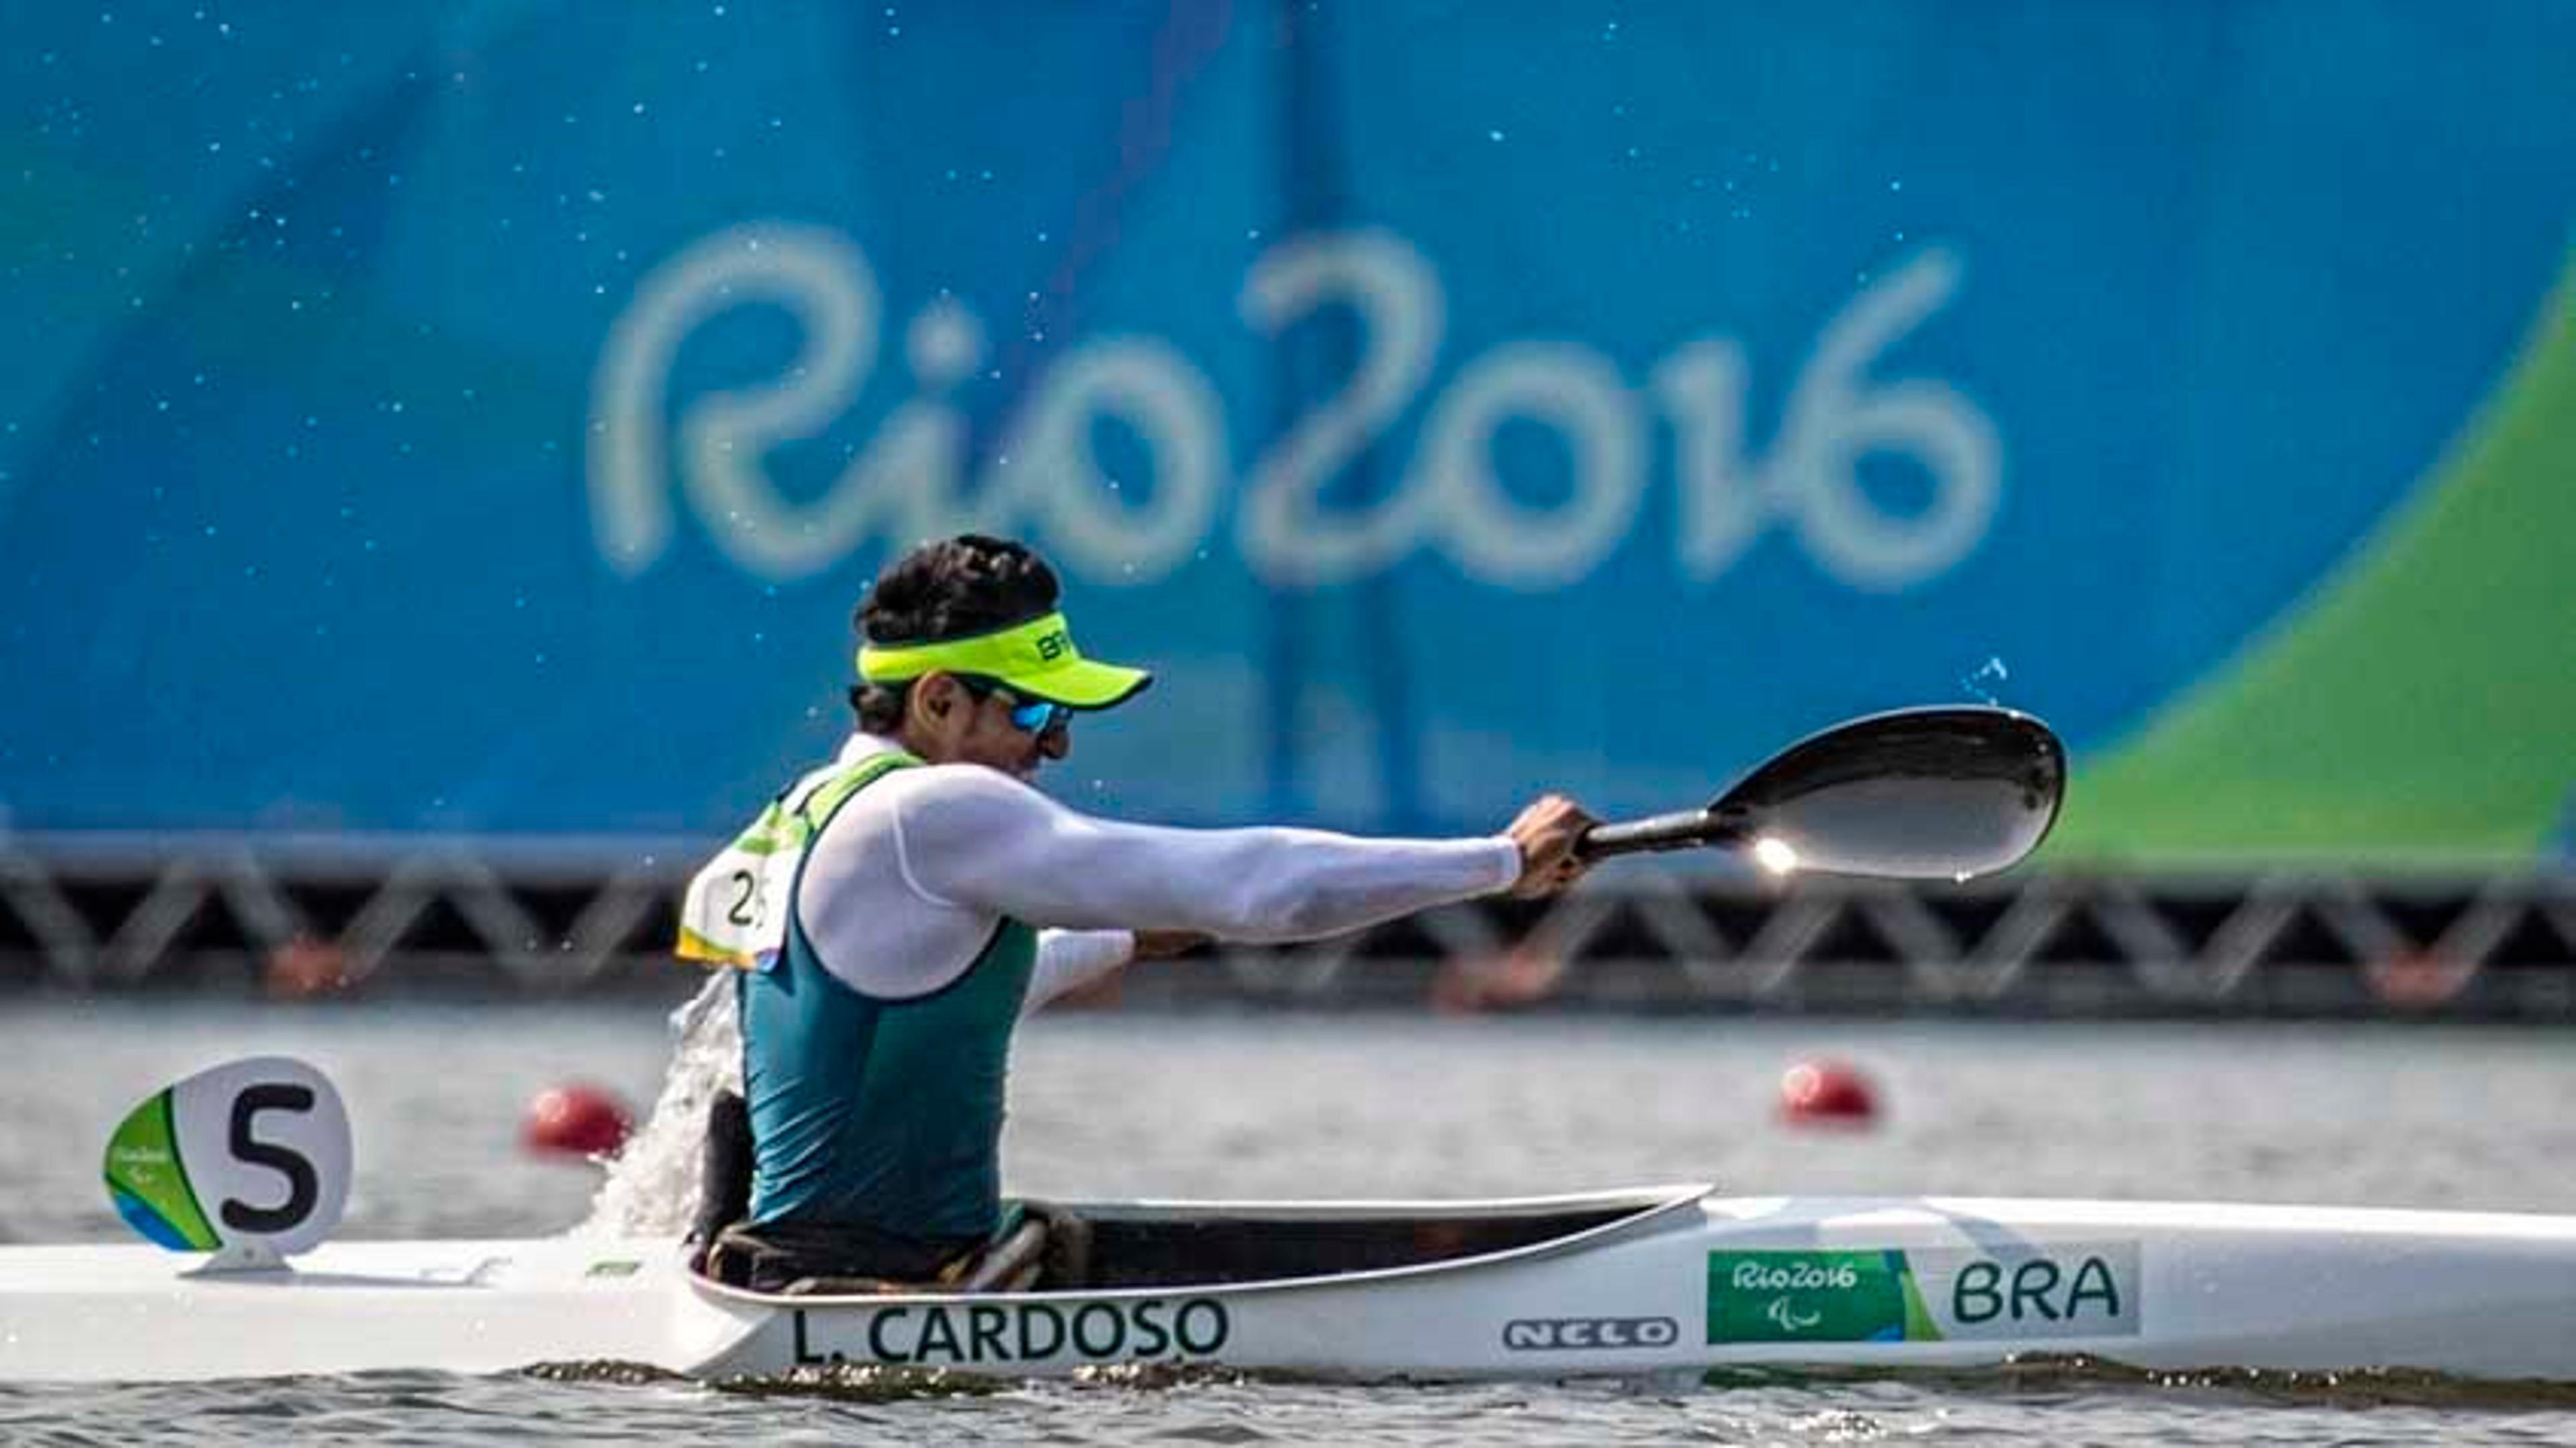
(1638, 1282)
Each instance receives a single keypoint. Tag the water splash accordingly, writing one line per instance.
(1989, 676)
(652, 1186)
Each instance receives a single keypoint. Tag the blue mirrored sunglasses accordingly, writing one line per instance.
(1035, 717)
(1041, 716)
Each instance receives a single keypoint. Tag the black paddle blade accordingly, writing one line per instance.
(1919, 794)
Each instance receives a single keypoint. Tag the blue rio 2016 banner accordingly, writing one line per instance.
(484, 422)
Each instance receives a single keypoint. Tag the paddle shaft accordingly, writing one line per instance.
(1687, 829)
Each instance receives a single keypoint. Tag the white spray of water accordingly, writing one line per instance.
(652, 1186)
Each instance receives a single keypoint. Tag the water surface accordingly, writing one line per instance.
(1263, 1105)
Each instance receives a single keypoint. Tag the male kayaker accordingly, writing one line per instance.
(896, 911)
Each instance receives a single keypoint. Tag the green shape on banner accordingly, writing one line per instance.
(2419, 707)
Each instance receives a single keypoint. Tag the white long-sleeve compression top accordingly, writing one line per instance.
(902, 890)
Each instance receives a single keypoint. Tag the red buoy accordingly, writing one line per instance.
(304, 968)
(1826, 1093)
(574, 1119)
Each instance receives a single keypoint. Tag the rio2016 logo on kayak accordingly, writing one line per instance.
(908, 481)
(1020, 1332)
(2054, 1290)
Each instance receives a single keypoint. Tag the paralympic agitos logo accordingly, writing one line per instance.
(1019, 1332)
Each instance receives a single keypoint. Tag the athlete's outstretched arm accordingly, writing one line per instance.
(975, 837)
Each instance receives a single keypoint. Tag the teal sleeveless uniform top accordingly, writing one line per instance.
(881, 1113)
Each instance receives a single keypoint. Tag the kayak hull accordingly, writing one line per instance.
(1649, 1281)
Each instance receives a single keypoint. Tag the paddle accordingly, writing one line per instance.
(1919, 794)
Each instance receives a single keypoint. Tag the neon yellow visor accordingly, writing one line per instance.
(1036, 658)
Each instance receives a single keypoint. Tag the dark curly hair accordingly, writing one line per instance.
(953, 588)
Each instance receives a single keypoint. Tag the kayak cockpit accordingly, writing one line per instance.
(1125, 1246)
(1227, 1247)
(1105, 1246)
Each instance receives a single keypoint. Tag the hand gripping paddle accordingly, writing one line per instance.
(1918, 794)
